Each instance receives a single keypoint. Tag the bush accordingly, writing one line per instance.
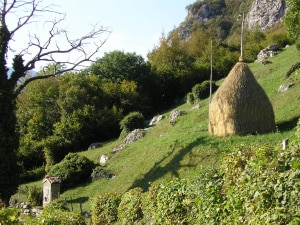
(35, 195)
(99, 173)
(105, 208)
(130, 208)
(57, 213)
(149, 204)
(9, 216)
(133, 120)
(190, 98)
(201, 91)
(57, 217)
(33, 175)
(57, 204)
(173, 203)
(73, 170)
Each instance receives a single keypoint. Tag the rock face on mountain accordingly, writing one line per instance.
(265, 13)
(225, 15)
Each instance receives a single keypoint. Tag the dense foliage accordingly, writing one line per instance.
(292, 20)
(56, 213)
(201, 91)
(105, 208)
(134, 120)
(72, 170)
(99, 172)
(9, 216)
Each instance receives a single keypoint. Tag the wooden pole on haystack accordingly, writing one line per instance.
(240, 106)
(241, 59)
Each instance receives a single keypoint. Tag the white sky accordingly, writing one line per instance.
(136, 25)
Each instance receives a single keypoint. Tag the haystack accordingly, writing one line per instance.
(240, 106)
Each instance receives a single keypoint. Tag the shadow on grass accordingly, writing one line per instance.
(77, 200)
(288, 125)
(173, 166)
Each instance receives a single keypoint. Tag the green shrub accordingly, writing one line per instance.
(73, 170)
(57, 213)
(9, 216)
(130, 208)
(208, 197)
(57, 204)
(105, 208)
(33, 175)
(35, 195)
(57, 217)
(133, 120)
(190, 98)
(262, 185)
(149, 204)
(173, 203)
(99, 173)
(201, 91)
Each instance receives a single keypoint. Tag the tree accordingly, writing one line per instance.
(48, 51)
(37, 112)
(292, 20)
(121, 71)
(172, 63)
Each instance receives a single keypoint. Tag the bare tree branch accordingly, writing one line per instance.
(76, 51)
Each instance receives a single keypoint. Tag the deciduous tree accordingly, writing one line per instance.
(292, 20)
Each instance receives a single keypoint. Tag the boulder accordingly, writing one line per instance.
(103, 160)
(155, 120)
(267, 52)
(174, 114)
(118, 148)
(94, 145)
(285, 87)
(134, 136)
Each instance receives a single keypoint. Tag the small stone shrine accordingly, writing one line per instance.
(51, 189)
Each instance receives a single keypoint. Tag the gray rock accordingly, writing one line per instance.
(103, 160)
(267, 52)
(94, 145)
(156, 119)
(173, 116)
(265, 13)
(118, 148)
(285, 87)
(134, 136)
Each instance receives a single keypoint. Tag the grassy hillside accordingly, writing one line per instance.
(182, 150)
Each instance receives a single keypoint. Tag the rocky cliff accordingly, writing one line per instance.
(225, 15)
(266, 13)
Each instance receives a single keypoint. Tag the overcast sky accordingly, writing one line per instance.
(136, 25)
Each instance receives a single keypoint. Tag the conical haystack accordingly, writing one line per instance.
(240, 106)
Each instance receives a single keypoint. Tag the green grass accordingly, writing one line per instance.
(182, 150)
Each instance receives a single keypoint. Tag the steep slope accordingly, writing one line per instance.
(182, 150)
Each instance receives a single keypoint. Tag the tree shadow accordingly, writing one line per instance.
(77, 200)
(288, 125)
(158, 171)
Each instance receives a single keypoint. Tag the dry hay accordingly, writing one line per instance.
(240, 106)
